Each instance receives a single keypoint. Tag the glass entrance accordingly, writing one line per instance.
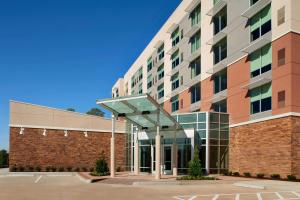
(167, 159)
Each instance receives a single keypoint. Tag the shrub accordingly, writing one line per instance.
(21, 169)
(61, 169)
(118, 169)
(187, 178)
(102, 166)
(260, 175)
(69, 169)
(13, 168)
(30, 169)
(247, 174)
(48, 169)
(195, 169)
(226, 173)
(236, 174)
(275, 176)
(291, 178)
(3, 158)
(77, 169)
(53, 169)
(38, 169)
(92, 169)
(84, 169)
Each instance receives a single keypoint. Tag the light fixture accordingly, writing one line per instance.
(85, 134)
(22, 131)
(45, 132)
(66, 133)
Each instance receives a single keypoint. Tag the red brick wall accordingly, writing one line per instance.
(35, 150)
(267, 147)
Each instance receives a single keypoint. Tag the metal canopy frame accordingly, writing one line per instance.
(125, 107)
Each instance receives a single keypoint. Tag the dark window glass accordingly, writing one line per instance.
(266, 68)
(281, 57)
(266, 104)
(266, 27)
(255, 106)
(255, 73)
(255, 34)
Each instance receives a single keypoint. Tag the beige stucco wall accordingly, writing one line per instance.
(29, 115)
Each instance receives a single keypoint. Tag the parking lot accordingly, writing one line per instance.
(69, 186)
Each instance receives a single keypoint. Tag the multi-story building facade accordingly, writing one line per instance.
(234, 56)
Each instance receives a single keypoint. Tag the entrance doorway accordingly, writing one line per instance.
(167, 159)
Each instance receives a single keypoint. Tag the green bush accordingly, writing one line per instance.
(291, 178)
(236, 174)
(61, 169)
(38, 169)
(188, 178)
(3, 158)
(21, 169)
(260, 175)
(92, 169)
(275, 176)
(118, 169)
(14, 168)
(195, 169)
(30, 169)
(77, 169)
(53, 169)
(84, 169)
(247, 174)
(102, 166)
(69, 169)
(48, 169)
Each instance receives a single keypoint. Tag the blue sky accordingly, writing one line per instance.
(68, 53)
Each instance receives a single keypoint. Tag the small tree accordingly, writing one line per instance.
(71, 109)
(102, 166)
(95, 112)
(195, 169)
(3, 158)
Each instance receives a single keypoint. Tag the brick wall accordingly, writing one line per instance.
(267, 147)
(77, 151)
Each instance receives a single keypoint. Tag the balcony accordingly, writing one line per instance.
(219, 96)
(192, 6)
(217, 7)
(192, 30)
(218, 67)
(218, 37)
(259, 43)
(259, 81)
(250, 12)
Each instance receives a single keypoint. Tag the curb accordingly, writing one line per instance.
(155, 183)
(83, 179)
(260, 187)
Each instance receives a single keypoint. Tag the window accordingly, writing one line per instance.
(195, 42)
(149, 64)
(175, 59)
(220, 81)
(281, 16)
(140, 73)
(261, 99)
(220, 20)
(175, 81)
(281, 99)
(261, 61)
(160, 72)
(141, 88)
(175, 103)
(220, 51)
(181, 103)
(132, 82)
(252, 2)
(216, 1)
(175, 37)
(161, 52)
(281, 57)
(195, 15)
(260, 23)
(220, 106)
(195, 93)
(195, 67)
(149, 81)
(160, 91)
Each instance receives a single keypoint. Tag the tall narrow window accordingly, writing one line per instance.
(195, 93)
(261, 61)
(261, 98)
(160, 72)
(175, 37)
(149, 81)
(260, 24)
(141, 88)
(220, 106)
(220, 20)
(195, 42)
(195, 15)
(175, 103)
(160, 91)
(220, 51)
(149, 64)
(281, 99)
(220, 81)
(175, 81)
(161, 52)
(175, 59)
(195, 67)
(252, 2)
(281, 16)
(281, 57)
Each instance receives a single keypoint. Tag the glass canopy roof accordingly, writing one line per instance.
(141, 110)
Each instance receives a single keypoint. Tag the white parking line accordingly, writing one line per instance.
(278, 195)
(215, 197)
(259, 196)
(38, 179)
(185, 197)
(296, 194)
(237, 197)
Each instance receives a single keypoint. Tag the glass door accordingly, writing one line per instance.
(153, 152)
(167, 159)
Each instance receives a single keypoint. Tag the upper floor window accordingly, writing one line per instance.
(220, 81)
(261, 61)
(260, 23)
(141, 88)
(160, 72)
(175, 103)
(175, 59)
(220, 20)
(220, 51)
(195, 67)
(195, 42)
(175, 81)
(252, 2)
(195, 93)
(196, 15)
(149, 64)
(149, 81)
(160, 91)
(216, 1)
(161, 52)
(140, 74)
(261, 98)
(175, 37)
(220, 106)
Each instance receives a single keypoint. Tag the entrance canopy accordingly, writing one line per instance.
(142, 111)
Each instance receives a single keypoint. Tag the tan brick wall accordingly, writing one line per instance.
(267, 147)
(33, 149)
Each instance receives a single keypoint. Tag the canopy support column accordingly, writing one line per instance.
(112, 148)
(207, 160)
(174, 147)
(136, 154)
(158, 152)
